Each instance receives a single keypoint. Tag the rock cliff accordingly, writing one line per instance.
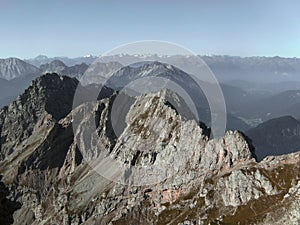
(147, 164)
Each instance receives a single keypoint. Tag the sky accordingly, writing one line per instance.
(79, 27)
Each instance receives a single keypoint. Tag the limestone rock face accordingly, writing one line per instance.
(139, 162)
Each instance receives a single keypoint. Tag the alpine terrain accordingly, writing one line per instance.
(48, 151)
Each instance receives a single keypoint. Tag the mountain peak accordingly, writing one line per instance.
(41, 57)
(181, 175)
(89, 56)
(50, 92)
(11, 68)
(145, 69)
(55, 62)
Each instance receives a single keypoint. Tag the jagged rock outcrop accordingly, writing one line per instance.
(47, 167)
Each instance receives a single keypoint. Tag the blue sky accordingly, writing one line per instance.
(79, 27)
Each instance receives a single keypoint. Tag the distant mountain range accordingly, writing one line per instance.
(249, 101)
(57, 66)
(42, 59)
(254, 69)
(16, 75)
(226, 68)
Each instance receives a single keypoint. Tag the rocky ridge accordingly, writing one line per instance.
(46, 166)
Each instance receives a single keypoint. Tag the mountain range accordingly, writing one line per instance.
(226, 68)
(243, 97)
(57, 66)
(16, 75)
(248, 103)
(42, 59)
(46, 144)
(49, 150)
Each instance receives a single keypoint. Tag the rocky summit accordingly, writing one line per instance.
(147, 164)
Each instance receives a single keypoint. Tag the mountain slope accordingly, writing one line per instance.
(15, 77)
(236, 99)
(46, 171)
(276, 136)
(57, 66)
(152, 76)
(14, 68)
(285, 103)
(99, 72)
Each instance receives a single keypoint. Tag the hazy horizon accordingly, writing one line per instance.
(77, 28)
(201, 55)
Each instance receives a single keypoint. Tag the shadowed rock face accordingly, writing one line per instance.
(46, 166)
(276, 136)
(7, 207)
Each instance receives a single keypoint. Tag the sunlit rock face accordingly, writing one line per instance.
(164, 168)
